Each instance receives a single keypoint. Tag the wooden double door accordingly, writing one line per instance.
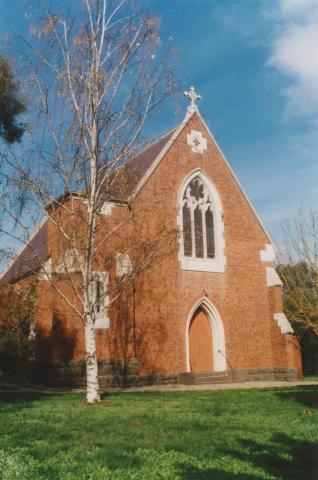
(200, 343)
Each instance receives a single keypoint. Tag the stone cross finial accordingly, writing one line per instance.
(193, 96)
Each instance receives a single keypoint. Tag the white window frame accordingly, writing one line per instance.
(123, 265)
(69, 261)
(107, 208)
(102, 319)
(216, 264)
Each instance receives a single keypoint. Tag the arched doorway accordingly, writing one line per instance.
(205, 341)
(200, 343)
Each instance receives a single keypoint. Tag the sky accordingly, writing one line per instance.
(255, 64)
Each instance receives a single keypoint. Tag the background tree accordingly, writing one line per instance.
(298, 270)
(96, 75)
(17, 308)
(11, 104)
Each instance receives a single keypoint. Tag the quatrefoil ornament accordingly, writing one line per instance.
(196, 189)
(196, 141)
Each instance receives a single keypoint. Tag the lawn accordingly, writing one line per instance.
(310, 378)
(241, 434)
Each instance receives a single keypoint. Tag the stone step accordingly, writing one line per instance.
(209, 374)
(210, 380)
(201, 378)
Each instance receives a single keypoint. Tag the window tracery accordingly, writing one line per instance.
(200, 220)
(197, 217)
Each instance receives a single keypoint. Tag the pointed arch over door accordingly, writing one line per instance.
(205, 316)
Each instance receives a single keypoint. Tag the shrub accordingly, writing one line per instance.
(16, 322)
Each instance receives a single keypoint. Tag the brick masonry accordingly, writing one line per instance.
(148, 319)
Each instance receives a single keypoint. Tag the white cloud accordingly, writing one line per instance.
(295, 53)
(295, 6)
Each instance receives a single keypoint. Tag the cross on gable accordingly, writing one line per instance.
(193, 96)
(196, 142)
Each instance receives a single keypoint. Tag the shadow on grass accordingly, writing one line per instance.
(305, 395)
(19, 400)
(9, 396)
(14, 395)
(284, 457)
(194, 473)
(119, 443)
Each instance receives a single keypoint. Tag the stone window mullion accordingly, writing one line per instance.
(187, 230)
(204, 231)
(198, 228)
(192, 208)
(210, 238)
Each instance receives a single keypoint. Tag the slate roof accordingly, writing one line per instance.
(122, 186)
(31, 257)
(124, 182)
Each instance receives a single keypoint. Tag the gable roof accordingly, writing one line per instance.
(174, 135)
(35, 253)
(124, 186)
(31, 256)
(238, 184)
(135, 173)
(123, 183)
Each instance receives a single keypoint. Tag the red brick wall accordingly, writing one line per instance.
(152, 325)
(296, 360)
(167, 294)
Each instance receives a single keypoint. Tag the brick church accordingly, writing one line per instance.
(209, 309)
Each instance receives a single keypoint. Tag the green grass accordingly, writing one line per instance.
(310, 378)
(229, 435)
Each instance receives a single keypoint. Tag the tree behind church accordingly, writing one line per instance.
(299, 273)
(11, 104)
(96, 75)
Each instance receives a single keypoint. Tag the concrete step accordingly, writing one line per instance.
(209, 374)
(201, 378)
(211, 380)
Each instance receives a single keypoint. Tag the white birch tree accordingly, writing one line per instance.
(95, 74)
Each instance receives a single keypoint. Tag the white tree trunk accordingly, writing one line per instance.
(92, 393)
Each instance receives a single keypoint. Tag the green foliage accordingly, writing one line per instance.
(17, 304)
(300, 285)
(256, 434)
(16, 465)
(15, 354)
(11, 104)
(309, 349)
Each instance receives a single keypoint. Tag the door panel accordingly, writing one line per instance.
(200, 343)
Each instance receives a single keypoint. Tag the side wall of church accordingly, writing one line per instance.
(286, 348)
(60, 329)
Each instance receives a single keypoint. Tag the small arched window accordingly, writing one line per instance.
(200, 218)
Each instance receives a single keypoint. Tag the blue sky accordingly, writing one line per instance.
(255, 64)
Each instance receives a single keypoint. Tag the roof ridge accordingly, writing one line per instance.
(174, 134)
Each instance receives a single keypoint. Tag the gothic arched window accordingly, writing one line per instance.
(202, 227)
(197, 219)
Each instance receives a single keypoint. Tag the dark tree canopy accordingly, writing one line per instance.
(300, 283)
(11, 104)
